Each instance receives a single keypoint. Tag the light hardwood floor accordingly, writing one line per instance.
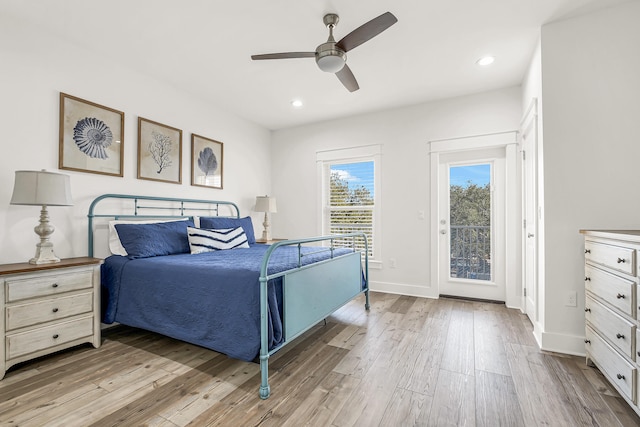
(406, 362)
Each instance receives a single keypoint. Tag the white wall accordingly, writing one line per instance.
(590, 88)
(404, 134)
(35, 68)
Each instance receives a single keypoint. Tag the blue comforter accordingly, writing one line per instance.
(210, 299)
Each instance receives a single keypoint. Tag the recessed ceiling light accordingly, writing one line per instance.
(296, 103)
(485, 60)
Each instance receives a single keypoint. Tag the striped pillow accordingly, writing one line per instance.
(205, 240)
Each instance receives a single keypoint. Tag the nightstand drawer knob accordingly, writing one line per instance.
(620, 296)
(620, 377)
(587, 310)
(587, 341)
(55, 337)
(587, 251)
(55, 285)
(621, 260)
(587, 279)
(620, 336)
(55, 310)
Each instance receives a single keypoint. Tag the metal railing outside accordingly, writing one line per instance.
(470, 252)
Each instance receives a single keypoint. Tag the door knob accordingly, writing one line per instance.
(530, 235)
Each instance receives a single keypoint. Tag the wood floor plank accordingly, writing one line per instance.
(407, 408)
(454, 401)
(489, 351)
(496, 401)
(459, 352)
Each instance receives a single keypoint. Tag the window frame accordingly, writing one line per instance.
(326, 159)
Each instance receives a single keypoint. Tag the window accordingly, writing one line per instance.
(350, 197)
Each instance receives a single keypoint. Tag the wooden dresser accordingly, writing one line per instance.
(46, 308)
(612, 311)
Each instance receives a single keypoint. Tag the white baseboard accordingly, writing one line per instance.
(561, 343)
(404, 289)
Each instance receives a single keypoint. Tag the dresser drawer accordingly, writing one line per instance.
(616, 257)
(617, 291)
(619, 332)
(49, 336)
(46, 284)
(21, 315)
(615, 367)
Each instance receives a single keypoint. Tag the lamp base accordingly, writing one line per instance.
(44, 254)
(44, 249)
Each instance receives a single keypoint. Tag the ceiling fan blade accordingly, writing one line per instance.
(348, 79)
(285, 55)
(367, 31)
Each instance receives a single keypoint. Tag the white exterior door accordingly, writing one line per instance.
(471, 218)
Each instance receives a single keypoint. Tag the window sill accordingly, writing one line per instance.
(375, 265)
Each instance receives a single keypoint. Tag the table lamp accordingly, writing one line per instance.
(267, 205)
(42, 188)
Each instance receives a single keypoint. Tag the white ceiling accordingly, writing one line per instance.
(204, 48)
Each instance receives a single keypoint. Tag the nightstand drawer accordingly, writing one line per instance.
(19, 316)
(618, 331)
(615, 257)
(47, 284)
(616, 290)
(616, 368)
(49, 336)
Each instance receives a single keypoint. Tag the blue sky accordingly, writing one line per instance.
(478, 174)
(356, 174)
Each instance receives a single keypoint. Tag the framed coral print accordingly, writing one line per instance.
(159, 152)
(206, 162)
(91, 137)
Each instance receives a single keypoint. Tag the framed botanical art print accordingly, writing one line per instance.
(206, 162)
(159, 152)
(91, 137)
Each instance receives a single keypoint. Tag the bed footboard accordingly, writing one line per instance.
(310, 294)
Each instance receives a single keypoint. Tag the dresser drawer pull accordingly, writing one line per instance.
(620, 296)
(587, 251)
(55, 337)
(55, 285)
(587, 279)
(587, 310)
(620, 336)
(587, 341)
(621, 260)
(55, 310)
(620, 377)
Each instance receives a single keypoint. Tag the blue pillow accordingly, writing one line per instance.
(147, 240)
(218, 222)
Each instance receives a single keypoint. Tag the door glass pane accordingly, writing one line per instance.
(470, 221)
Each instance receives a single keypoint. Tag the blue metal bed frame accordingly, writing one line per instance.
(310, 292)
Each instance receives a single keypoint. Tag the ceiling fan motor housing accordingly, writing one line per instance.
(330, 58)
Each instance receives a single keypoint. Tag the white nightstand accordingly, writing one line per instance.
(48, 307)
(269, 242)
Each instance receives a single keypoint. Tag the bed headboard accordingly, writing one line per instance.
(125, 206)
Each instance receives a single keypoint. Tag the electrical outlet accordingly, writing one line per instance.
(392, 263)
(572, 299)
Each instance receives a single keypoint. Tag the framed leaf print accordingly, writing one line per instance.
(91, 137)
(206, 162)
(159, 152)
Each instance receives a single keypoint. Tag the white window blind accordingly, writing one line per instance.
(351, 202)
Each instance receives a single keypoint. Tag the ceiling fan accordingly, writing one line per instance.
(331, 56)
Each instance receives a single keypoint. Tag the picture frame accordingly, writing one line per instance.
(159, 152)
(91, 137)
(207, 162)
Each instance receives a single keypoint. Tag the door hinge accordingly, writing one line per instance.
(524, 155)
(524, 223)
(525, 292)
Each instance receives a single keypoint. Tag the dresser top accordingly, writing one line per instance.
(628, 235)
(25, 267)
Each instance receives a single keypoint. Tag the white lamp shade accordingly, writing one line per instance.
(41, 188)
(266, 204)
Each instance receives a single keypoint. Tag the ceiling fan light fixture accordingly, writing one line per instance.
(330, 64)
(297, 103)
